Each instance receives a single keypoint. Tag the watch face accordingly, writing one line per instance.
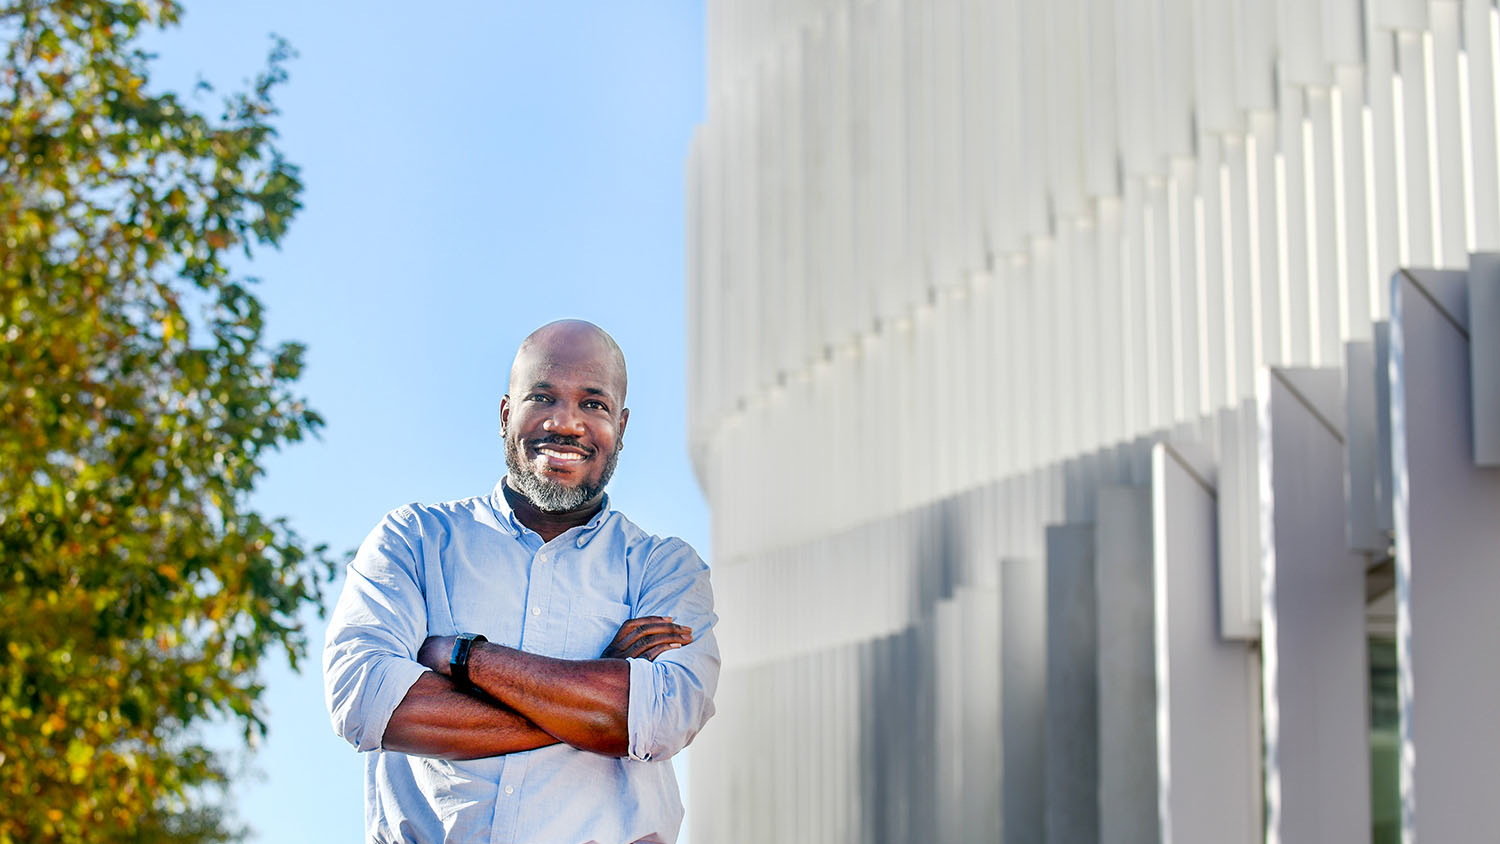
(458, 663)
(460, 658)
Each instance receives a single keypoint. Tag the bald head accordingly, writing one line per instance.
(572, 343)
(563, 416)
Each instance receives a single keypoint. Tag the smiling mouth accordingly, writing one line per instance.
(564, 456)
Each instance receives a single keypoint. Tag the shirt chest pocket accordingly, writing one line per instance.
(592, 625)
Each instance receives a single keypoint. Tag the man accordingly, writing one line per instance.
(520, 666)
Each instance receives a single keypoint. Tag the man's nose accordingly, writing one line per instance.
(564, 420)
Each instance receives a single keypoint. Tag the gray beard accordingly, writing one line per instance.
(548, 495)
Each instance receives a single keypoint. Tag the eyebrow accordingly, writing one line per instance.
(547, 385)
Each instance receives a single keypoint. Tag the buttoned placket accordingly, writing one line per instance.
(539, 633)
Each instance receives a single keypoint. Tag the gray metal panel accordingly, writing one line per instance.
(1342, 37)
(1063, 28)
(1302, 42)
(1483, 177)
(1072, 687)
(1138, 94)
(1406, 15)
(1240, 260)
(1484, 356)
(947, 728)
(1452, 244)
(1214, 31)
(913, 280)
(1023, 641)
(1358, 276)
(1188, 356)
(1312, 621)
(980, 117)
(1032, 196)
(1447, 580)
(1384, 492)
(1174, 61)
(980, 768)
(1127, 672)
(845, 316)
(1361, 444)
(1101, 176)
(1160, 326)
(1237, 561)
(1215, 331)
(1208, 755)
(1136, 344)
(1325, 246)
(1255, 56)
(1320, 391)
(1383, 206)
(1265, 221)
(1005, 233)
(1293, 236)
(950, 233)
(1411, 122)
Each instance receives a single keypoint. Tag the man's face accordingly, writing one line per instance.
(564, 424)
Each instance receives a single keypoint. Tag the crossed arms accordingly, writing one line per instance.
(533, 700)
(385, 678)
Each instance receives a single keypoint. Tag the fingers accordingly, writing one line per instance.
(653, 637)
(655, 642)
(659, 650)
(638, 636)
(633, 624)
(637, 629)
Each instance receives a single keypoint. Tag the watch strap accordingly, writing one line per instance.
(458, 663)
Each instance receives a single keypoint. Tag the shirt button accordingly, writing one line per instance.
(536, 610)
(510, 789)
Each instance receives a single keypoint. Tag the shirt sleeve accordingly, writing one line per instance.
(672, 698)
(370, 653)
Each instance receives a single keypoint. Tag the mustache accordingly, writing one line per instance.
(559, 439)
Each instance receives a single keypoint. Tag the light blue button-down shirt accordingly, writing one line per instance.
(471, 566)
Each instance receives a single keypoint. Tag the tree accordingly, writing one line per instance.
(138, 398)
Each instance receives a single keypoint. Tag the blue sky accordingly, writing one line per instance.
(471, 172)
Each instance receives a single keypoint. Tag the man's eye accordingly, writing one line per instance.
(537, 397)
(596, 405)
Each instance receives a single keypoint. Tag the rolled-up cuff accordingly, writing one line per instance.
(397, 679)
(641, 718)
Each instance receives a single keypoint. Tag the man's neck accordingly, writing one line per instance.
(549, 525)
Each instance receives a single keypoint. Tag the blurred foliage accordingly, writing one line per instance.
(139, 592)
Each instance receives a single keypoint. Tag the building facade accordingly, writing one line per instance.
(1098, 403)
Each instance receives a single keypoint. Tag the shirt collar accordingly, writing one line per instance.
(508, 520)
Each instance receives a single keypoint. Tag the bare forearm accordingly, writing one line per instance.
(584, 703)
(435, 719)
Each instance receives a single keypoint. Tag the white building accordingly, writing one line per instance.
(1086, 462)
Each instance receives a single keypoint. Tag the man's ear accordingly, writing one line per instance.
(504, 412)
(620, 437)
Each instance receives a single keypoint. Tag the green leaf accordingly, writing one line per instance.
(143, 592)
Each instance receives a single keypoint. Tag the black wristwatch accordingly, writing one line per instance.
(458, 664)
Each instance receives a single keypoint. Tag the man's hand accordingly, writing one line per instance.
(647, 637)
